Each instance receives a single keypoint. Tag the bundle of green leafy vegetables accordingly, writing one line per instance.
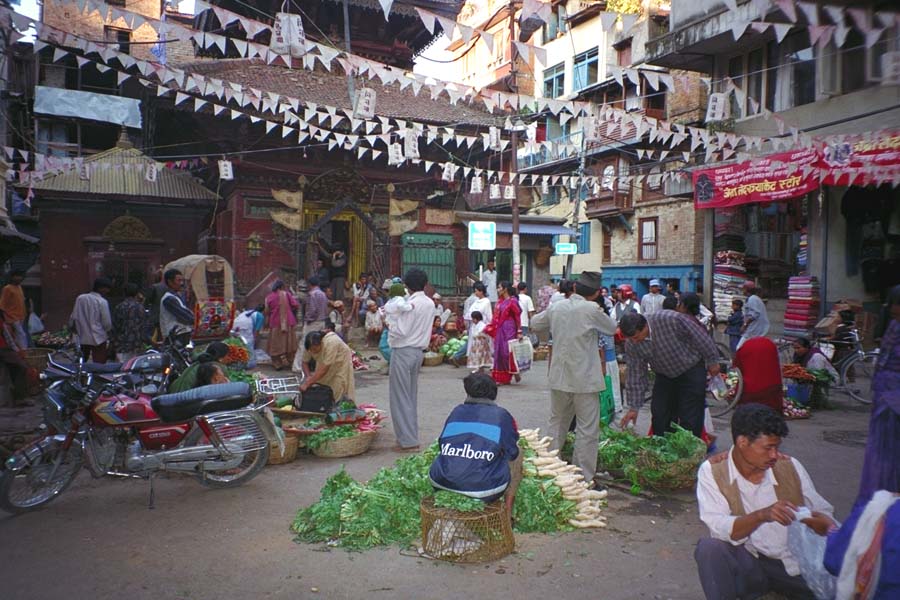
(317, 440)
(618, 452)
(385, 510)
(458, 502)
(239, 375)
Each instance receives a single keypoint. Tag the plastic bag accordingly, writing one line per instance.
(717, 387)
(523, 352)
(35, 325)
(607, 404)
(808, 548)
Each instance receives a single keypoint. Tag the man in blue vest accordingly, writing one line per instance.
(479, 455)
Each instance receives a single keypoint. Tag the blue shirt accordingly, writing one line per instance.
(478, 442)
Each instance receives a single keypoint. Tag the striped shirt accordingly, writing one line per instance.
(675, 344)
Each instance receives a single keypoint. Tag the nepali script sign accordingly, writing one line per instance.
(769, 179)
(843, 160)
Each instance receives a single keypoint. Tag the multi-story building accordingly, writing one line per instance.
(813, 78)
(634, 224)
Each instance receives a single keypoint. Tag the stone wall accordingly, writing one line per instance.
(680, 235)
(65, 16)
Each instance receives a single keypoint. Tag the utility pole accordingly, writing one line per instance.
(350, 85)
(576, 214)
(513, 164)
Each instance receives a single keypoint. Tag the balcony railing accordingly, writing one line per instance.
(608, 204)
(563, 147)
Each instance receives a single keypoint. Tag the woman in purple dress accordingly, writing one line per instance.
(874, 561)
(507, 324)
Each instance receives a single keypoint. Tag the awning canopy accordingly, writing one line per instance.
(535, 229)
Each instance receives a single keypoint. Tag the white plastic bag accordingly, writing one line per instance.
(808, 548)
(523, 352)
(35, 325)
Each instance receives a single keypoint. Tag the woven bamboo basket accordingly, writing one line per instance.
(349, 446)
(466, 537)
(432, 359)
(37, 358)
(541, 353)
(290, 451)
(678, 475)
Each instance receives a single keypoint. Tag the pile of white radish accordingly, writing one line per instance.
(567, 477)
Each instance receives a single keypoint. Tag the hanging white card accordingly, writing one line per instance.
(447, 175)
(477, 186)
(364, 107)
(411, 144)
(395, 154)
(494, 138)
(717, 107)
(495, 191)
(288, 36)
(226, 171)
(509, 192)
(151, 172)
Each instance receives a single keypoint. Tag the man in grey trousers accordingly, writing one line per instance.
(576, 375)
(408, 338)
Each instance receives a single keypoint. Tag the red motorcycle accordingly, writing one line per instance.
(214, 432)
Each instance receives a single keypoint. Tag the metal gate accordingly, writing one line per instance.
(435, 254)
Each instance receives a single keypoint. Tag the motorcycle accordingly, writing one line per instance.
(216, 433)
(149, 373)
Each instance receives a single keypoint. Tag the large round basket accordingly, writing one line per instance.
(37, 358)
(290, 451)
(349, 446)
(466, 537)
(432, 359)
(668, 476)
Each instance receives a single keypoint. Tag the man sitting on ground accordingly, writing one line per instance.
(479, 455)
(188, 380)
(748, 496)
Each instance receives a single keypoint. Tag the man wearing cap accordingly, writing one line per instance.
(653, 301)
(576, 374)
(756, 321)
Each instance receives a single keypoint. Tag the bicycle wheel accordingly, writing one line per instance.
(857, 375)
(724, 356)
(719, 406)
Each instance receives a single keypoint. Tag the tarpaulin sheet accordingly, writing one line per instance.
(87, 105)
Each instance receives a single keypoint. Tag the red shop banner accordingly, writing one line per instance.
(843, 159)
(768, 179)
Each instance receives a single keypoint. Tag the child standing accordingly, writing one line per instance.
(374, 323)
(481, 347)
(735, 322)
(337, 317)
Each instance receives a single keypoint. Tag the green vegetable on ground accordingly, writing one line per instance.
(317, 440)
(454, 501)
(385, 510)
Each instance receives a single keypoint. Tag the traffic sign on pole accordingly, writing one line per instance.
(566, 248)
(482, 235)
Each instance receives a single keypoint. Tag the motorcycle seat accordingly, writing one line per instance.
(93, 367)
(206, 399)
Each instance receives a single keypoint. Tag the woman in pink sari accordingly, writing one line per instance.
(507, 325)
(280, 308)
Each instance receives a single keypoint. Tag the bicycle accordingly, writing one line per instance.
(856, 368)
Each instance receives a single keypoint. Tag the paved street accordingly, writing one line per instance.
(99, 540)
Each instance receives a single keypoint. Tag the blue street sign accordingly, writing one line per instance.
(482, 235)
(566, 248)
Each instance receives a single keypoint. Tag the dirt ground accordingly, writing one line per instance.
(99, 540)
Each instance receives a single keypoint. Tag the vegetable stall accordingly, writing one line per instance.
(552, 496)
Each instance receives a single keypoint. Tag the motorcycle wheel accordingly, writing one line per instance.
(29, 489)
(248, 469)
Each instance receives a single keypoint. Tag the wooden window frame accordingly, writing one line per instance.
(640, 238)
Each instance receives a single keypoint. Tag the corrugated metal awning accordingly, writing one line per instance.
(535, 229)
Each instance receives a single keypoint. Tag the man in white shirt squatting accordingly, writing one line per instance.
(747, 497)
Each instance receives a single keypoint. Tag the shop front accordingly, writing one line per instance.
(807, 232)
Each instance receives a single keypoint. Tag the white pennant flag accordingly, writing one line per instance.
(386, 7)
(608, 20)
(628, 21)
(427, 19)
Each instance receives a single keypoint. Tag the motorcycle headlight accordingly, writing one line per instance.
(54, 408)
